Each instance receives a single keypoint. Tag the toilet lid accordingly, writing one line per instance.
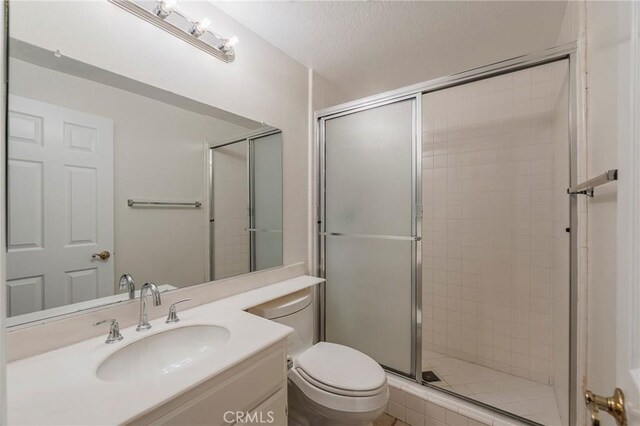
(340, 369)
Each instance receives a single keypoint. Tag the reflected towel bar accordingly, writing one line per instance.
(586, 188)
(133, 203)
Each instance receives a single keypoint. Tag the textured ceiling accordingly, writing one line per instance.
(371, 46)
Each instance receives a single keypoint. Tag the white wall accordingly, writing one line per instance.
(218, 131)
(570, 24)
(3, 302)
(608, 70)
(262, 83)
(322, 94)
(325, 93)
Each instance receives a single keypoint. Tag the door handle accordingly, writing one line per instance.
(613, 405)
(103, 255)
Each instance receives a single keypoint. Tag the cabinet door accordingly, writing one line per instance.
(273, 411)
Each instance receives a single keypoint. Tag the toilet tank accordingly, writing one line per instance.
(296, 311)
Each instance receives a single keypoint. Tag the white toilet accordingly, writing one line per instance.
(329, 384)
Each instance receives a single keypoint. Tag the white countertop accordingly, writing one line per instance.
(61, 387)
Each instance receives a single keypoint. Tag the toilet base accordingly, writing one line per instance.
(305, 412)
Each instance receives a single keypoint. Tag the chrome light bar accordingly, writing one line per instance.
(163, 14)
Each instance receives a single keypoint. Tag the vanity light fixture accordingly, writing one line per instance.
(200, 27)
(228, 44)
(165, 7)
(164, 14)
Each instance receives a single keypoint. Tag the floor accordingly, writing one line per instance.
(525, 398)
(387, 420)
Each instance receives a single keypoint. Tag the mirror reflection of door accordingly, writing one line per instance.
(246, 204)
(60, 195)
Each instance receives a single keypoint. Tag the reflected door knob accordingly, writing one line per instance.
(103, 255)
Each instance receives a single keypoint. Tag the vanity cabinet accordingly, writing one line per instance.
(251, 392)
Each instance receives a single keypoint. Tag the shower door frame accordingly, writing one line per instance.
(566, 51)
(416, 223)
(250, 139)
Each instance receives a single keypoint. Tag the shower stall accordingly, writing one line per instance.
(444, 233)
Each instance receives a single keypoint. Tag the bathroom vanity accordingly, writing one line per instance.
(254, 389)
(217, 365)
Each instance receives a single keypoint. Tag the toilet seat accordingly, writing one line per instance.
(340, 378)
(337, 391)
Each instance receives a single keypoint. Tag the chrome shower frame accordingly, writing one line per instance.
(564, 52)
(250, 139)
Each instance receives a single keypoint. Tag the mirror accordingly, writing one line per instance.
(107, 176)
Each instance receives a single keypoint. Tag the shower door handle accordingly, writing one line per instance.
(613, 405)
(371, 236)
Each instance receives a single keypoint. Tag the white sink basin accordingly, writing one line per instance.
(163, 353)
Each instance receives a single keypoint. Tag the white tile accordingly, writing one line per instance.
(415, 403)
(477, 423)
(414, 418)
(476, 416)
(435, 411)
(396, 410)
(396, 395)
(433, 422)
(455, 419)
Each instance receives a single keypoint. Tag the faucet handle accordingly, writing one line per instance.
(173, 316)
(114, 330)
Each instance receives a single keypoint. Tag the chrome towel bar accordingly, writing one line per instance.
(133, 203)
(586, 188)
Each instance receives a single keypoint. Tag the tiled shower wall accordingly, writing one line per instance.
(488, 225)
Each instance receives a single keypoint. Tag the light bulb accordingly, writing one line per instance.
(204, 24)
(200, 27)
(227, 44)
(232, 41)
(165, 8)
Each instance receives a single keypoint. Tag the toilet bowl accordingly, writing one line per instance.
(329, 384)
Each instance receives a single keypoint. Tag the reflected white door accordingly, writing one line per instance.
(60, 197)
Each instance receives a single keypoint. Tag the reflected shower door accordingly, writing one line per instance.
(266, 202)
(229, 237)
(369, 232)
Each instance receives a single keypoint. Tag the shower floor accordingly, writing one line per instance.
(525, 398)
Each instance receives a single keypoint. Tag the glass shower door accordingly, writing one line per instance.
(369, 232)
(266, 201)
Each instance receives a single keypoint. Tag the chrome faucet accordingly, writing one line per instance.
(126, 281)
(143, 323)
